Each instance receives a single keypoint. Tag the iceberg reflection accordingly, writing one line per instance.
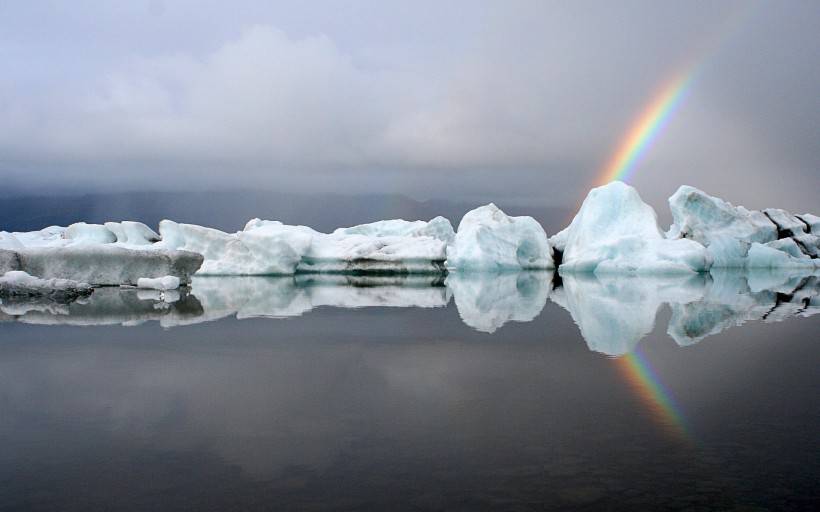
(486, 301)
(613, 313)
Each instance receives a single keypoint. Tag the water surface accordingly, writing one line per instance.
(511, 392)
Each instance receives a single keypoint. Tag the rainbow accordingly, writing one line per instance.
(645, 382)
(645, 129)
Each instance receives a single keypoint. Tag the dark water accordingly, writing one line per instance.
(412, 408)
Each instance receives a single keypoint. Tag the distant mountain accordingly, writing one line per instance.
(230, 210)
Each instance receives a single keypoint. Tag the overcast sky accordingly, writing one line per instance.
(513, 101)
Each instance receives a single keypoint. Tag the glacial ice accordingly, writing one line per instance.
(489, 240)
(102, 264)
(616, 232)
(271, 248)
(777, 256)
(736, 237)
(812, 221)
(262, 248)
(700, 217)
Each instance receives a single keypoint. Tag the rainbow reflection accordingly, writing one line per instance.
(645, 382)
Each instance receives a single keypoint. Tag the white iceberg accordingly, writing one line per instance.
(487, 301)
(159, 283)
(615, 231)
(20, 283)
(489, 240)
(271, 248)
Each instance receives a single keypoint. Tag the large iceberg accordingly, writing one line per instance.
(266, 247)
(488, 239)
(736, 237)
(615, 231)
(100, 264)
(117, 253)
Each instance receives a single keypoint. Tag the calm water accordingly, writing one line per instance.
(488, 392)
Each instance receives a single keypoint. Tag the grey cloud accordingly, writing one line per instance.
(512, 98)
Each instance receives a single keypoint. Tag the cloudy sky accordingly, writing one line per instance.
(517, 101)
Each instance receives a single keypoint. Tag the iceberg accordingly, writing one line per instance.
(615, 231)
(700, 217)
(736, 237)
(487, 301)
(266, 247)
(489, 240)
(17, 283)
(159, 283)
(117, 253)
(101, 264)
(262, 248)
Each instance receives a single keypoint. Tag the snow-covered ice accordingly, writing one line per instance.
(615, 231)
(132, 233)
(489, 240)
